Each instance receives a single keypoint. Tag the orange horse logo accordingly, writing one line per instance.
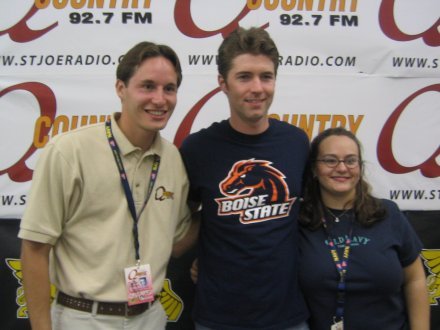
(256, 191)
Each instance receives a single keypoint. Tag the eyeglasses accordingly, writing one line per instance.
(331, 161)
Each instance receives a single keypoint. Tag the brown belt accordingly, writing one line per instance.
(105, 308)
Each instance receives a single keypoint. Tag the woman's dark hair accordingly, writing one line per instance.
(142, 51)
(367, 209)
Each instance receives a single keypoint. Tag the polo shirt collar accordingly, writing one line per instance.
(126, 147)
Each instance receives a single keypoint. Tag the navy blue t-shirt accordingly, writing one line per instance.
(374, 294)
(249, 187)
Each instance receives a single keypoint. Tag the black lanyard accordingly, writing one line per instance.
(126, 186)
(341, 267)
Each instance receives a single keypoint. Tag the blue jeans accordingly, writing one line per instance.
(301, 326)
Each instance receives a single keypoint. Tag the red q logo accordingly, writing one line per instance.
(21, 32)
(19, 172)
(429, 168)
(387, 22)
(186, 25)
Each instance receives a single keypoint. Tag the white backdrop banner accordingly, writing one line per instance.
(372, 66)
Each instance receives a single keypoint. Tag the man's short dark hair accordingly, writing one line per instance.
(142, 51)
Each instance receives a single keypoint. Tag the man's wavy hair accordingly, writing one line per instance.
(254, 41)
(367, 208)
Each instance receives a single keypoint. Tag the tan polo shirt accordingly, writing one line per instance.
(78, 205)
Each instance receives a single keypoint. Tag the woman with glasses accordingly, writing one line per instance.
(360, 265)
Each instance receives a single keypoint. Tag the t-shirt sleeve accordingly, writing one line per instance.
(49, 197)
(410, 244)
(189, 156)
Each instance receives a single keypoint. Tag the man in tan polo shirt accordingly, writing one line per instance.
(107, 203)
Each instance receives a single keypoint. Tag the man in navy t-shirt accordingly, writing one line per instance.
(246, 174)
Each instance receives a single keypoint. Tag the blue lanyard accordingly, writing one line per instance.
(341, 267)
(126, 186)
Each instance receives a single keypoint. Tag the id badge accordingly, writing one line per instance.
(139, 284)
(337, 326)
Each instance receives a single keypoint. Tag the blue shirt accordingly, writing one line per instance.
(248, 252)
(374, 294)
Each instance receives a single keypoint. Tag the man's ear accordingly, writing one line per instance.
(120, 87)
(222, 84)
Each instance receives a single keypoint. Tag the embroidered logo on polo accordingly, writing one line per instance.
(256, 191)
(161, 194)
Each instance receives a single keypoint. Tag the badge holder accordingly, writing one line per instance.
(337, 325)
(139, 284)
